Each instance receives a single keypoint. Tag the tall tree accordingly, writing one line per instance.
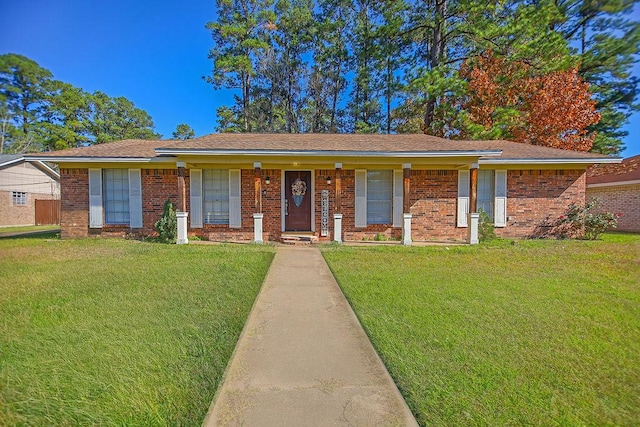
(183, 131)
(368, 66)
(392, 47)
(365, 104)
(607, 42)
(513, 100)
(25, 89)
(118, 118)
(328, 82)
(293, 36)
(68, 118)
(239, 37)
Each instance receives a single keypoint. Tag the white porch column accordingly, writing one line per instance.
(257, 228)
(474, 220)
(406, 229)
(182, 228)
(337, 228)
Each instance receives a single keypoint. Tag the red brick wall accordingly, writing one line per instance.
(434, 201)
(158, 185)
(74, 203)
(620, 199)
(536, 198)
(433, 198)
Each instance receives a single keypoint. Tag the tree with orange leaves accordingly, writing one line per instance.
(510, 100)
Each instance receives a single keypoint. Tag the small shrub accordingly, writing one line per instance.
(584, 221)
(167, 225)
(486, 230)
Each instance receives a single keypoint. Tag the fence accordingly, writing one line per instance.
(47, 212)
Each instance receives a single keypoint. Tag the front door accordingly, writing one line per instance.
(297, 205)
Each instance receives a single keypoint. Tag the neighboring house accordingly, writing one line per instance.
(23, 184)
(617, 187)
(256, 187)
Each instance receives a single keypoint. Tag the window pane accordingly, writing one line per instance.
(379, 197)
(19, 198)
(486, 180)
(215, 184)
(116, 196)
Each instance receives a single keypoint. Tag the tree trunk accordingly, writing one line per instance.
(435, 57)
(336, 93)
(388, 94)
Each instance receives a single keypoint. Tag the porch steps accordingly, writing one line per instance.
(298, 238)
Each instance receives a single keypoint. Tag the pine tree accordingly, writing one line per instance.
(239, 38)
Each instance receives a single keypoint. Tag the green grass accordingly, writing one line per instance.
(27, 228)
(522, 333)
(114, 332)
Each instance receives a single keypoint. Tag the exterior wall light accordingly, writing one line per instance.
(267, 181)
(328, 180)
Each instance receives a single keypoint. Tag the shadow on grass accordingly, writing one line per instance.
(43, 235)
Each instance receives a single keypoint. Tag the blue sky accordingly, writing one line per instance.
(151, 52)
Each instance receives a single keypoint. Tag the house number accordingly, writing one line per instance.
(324, 221)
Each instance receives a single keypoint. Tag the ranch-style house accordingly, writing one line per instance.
(327, 187)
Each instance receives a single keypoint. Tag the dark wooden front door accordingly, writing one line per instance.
(297, 193)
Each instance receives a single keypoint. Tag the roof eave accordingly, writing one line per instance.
(327, 153)
(613, 183)
(46, 169)
(549, 161)
(73, 159)
(11, 162)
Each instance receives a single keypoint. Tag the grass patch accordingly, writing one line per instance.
(508, 333)
(27, 228)
(115, 332)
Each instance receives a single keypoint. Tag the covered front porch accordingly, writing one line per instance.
(307, 200)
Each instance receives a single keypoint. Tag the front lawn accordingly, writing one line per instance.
(114, 332)
(536, 332)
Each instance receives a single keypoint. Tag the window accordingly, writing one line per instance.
(379, 196)
(215, 183)
(486, 191)
(116, 196)
(19, 198)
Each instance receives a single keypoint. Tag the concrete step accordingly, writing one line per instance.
(298, 238)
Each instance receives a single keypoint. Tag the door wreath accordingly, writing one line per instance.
(298, 190)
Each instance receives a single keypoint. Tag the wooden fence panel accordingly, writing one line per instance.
(47, 212)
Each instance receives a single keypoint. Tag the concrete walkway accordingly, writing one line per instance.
(303, 359)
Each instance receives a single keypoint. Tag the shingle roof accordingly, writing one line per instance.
(128, 148)
(627, 170)
(359, 143)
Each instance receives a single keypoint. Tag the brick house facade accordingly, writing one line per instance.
(24, 185)
(617, 187)
(367, 186)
